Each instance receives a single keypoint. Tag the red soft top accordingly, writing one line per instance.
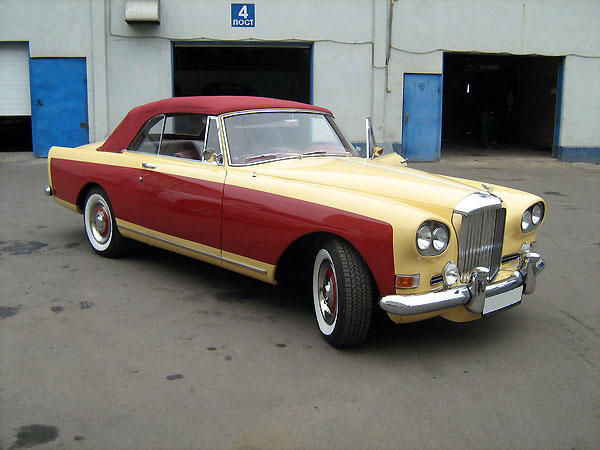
(210, 105)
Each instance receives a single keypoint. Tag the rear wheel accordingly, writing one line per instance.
(342, 294)
(100, 225)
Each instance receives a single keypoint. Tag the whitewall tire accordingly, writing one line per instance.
(100, 225)
(342, 294)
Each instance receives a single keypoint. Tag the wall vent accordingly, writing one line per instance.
(142, 11)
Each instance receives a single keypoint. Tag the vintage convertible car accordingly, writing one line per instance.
(273, 190)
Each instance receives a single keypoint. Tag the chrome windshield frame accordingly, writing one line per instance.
(224, 116)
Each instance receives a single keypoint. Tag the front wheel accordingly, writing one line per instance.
(100, 225)
(342, 294)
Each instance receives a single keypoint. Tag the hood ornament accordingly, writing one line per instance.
(487, 188)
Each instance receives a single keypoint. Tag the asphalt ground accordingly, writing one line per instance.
(158, 350)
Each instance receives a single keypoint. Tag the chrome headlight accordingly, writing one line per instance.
(432, 238)
(532, 217)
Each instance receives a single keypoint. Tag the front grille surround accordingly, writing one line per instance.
(480, 240)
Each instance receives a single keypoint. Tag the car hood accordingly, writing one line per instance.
(386, 178)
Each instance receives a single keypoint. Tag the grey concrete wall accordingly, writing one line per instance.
(359, 62)
(422, 31)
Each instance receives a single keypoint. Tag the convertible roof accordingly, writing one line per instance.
(210, 105)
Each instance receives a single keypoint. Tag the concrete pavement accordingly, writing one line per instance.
(158, 350)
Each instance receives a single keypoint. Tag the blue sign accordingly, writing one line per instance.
(242, 15)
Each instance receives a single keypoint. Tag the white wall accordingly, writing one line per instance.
(424, 29)
(580, 120)
(139, 71)
(347, 93)
(547, 27)
(358, 67)
(342, 31)
(52, 28)
(279, 20)
(68, 28)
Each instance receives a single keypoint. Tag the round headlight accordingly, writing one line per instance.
(450, 274)
(526, 223)
(424, 237)
(440, 239)
(532, 217)
(432, 238)
(536, 214)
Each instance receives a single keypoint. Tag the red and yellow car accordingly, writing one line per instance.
(272, 189)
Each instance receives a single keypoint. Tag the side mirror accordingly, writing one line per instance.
(208, 153)
(211, 155)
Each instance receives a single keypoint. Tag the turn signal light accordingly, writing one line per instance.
(407, 281)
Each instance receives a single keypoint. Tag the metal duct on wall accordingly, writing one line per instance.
(142, 11)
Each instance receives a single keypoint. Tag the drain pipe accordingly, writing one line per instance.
(388, 52)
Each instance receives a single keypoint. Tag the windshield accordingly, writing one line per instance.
(266, 136)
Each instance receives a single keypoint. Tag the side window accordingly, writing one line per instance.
(212, 144)
(178, 135)
(148, 139)
(183, 136)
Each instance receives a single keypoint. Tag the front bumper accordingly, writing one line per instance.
(472, 295)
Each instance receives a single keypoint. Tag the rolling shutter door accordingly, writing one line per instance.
(14, 80)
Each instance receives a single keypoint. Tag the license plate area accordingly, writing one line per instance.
(501, 301)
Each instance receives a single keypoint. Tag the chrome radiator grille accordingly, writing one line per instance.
(480, 240)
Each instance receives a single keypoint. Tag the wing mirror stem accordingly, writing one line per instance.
(369, 133)
(373, 149)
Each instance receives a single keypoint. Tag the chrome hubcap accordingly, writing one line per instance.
(327, 293)
(100, 222)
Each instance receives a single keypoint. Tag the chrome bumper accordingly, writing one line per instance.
(472, 294)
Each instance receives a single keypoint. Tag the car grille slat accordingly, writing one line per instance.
(480, 240)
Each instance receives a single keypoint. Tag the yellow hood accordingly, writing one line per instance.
(393, 181)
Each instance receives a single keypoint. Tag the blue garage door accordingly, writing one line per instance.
(422, 117)
(59, 114)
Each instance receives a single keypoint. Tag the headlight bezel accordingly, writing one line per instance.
(432, 238)
(533, 217)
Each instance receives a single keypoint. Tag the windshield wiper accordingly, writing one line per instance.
(324, 152)
(271, 156)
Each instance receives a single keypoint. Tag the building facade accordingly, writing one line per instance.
(432, 74)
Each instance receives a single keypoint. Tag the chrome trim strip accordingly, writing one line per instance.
(471, 294)
(170, 242)
(256, 269)
(257, 111)
(175, 158)
(220, 258)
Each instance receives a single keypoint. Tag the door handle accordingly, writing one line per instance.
(148, 165)
(406, 118)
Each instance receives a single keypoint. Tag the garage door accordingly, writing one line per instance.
(14, 80)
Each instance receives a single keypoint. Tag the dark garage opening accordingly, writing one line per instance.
(265, 71)
(499, 101)
(15, 134)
